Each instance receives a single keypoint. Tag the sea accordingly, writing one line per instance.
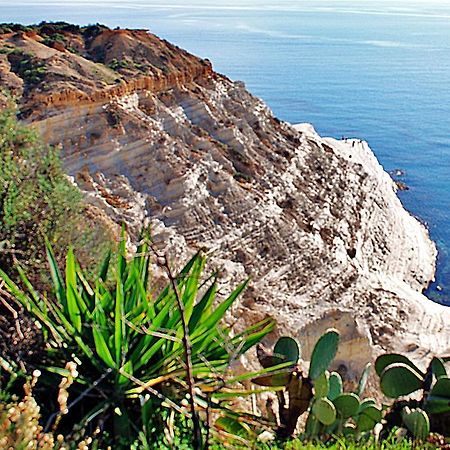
(376, 70)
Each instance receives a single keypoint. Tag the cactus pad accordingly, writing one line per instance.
(441, 388)
(438, 368)
(288, 349)
(437, 405)
(349, 430)
(335, 388)
(322, 385)
(400, 379)
(368, 418)
(347, 405)
(363, 380)
(417, 422)
(324, 352)
(312, 426)
(386, 360)
(365, 403)
(324, 411)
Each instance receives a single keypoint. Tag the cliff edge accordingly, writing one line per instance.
(153, 134)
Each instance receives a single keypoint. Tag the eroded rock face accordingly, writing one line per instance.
(314, 222)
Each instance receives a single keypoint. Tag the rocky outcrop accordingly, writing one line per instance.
(314, 222)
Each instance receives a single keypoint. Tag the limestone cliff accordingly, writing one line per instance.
(151, 133)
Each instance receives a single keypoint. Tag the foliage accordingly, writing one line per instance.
(399, 377)
(37, 199)
(50, 28)
(395, 441)
(53, 38)
(115, 64)
(13, 28)
(27, 67)
(331, 411)
(129, 343)
(92, 31)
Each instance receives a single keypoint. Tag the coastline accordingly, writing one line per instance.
(314, 222)
(397, 279)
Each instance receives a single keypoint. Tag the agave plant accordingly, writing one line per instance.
(400, 377)
(128, 342)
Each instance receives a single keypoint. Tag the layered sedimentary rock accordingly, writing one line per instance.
(314, 222)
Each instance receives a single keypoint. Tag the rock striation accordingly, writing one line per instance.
(153, 135)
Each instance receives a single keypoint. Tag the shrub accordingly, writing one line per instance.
(26, 66)
(51, 39)
(37, 199)
(117, 65)
(140, 354)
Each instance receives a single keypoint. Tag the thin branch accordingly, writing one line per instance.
(11, 310)
(144, 330)
(197, 438)
(153, 392)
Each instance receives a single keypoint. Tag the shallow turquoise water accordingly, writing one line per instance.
(375, 70)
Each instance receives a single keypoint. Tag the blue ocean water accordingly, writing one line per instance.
(377, 70)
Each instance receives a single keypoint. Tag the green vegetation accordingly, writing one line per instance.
(130, 346)
(126, 364)
(50, 40)
(400, 377)
(92, 31)
(29, 68)
(117, 65)
(6, 28)
(332, 412)
(37, 200)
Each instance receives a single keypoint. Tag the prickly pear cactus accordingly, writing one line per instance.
(400, 379)
(324, 410)
(363, 380)
(347, 405)
(322, 385)
(441, 388)
(388, 359)
(417, 422)
(335, 383)
(323, 354)
(288, 349)
(438, 368)
(438, 401)
(368, 416)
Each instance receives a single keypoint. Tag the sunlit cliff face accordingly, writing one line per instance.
(153, 135)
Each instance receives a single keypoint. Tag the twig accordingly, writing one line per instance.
(11, 310)
(197, 438)
(145, 330)
(208, 420)
(153, 392)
